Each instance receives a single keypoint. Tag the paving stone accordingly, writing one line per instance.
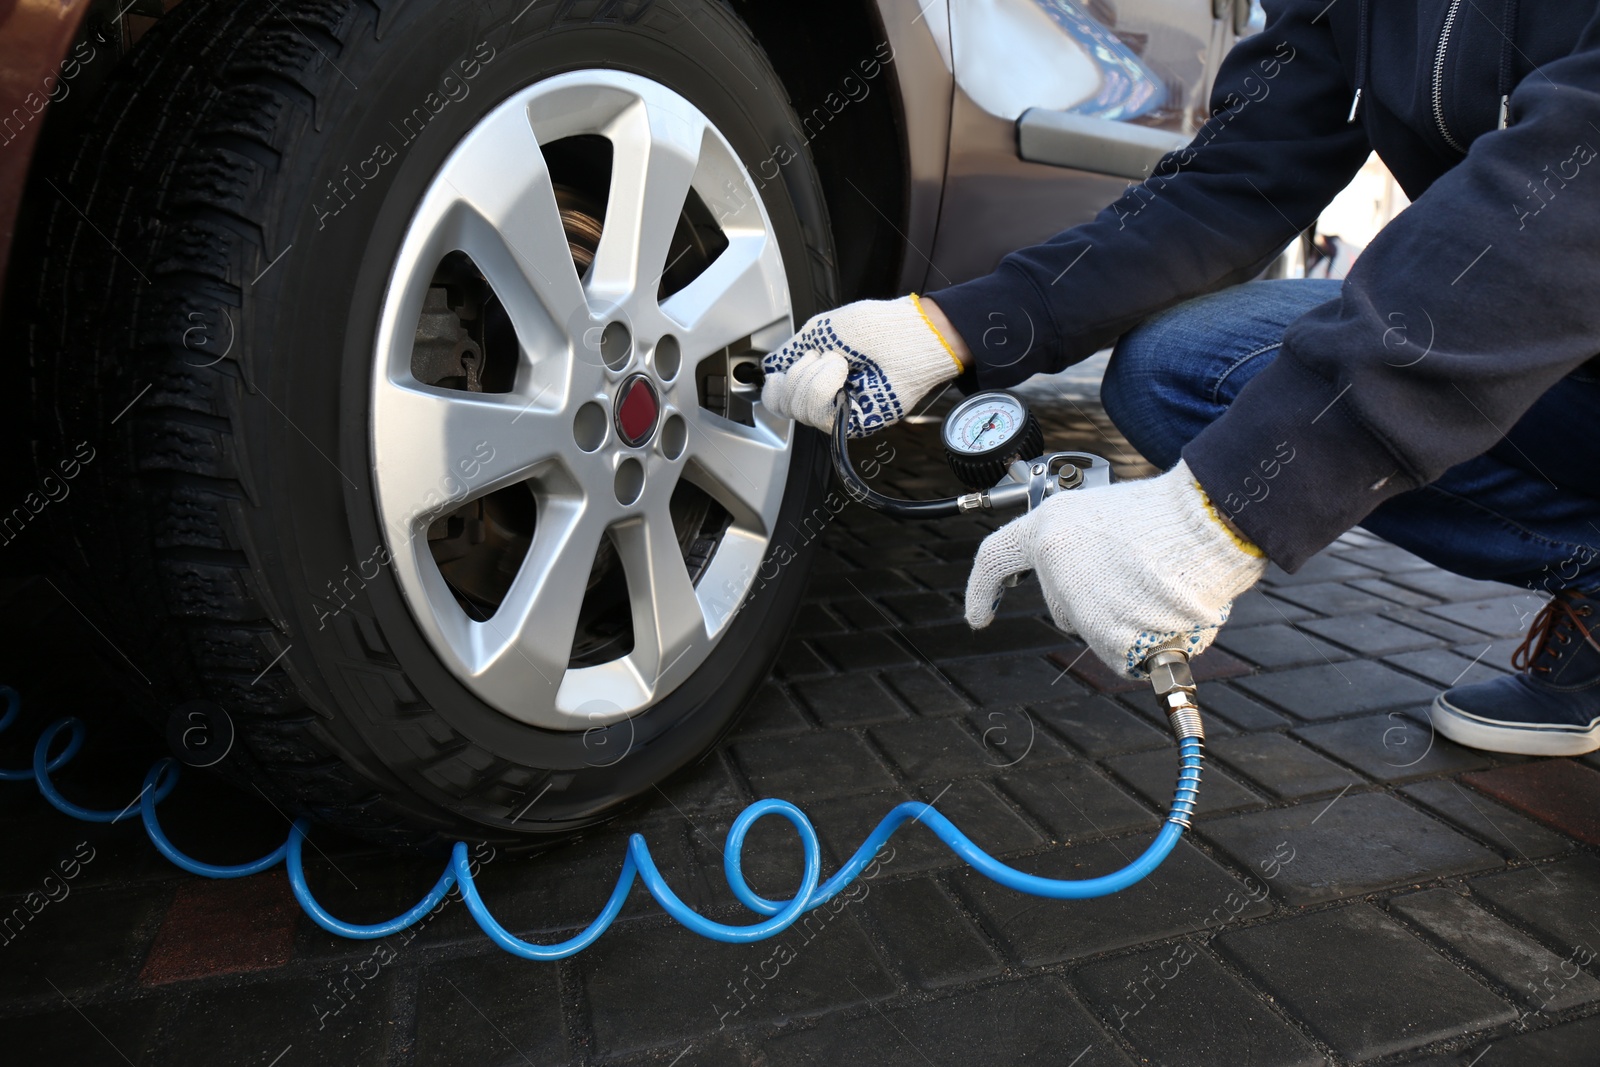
(963, 527)
(1033, 1021)
(1441, 628)
(854, 699)
(1012, 739)
(788, 767)
(1505, 831)
(1076, 659)
(1330, 598)
(954, 640)
(1392, 747)
(972, 805)
(942, 576)
(769, 713)
(494, 1009)
(1236, 708)
(1443, 668)
(813, 620)
(926, 934)
(1389, 591)
(924, 609)
(828, 560)
(1097, 727)
(1357, 537)
(699, 1052)
(1321, 968)
(41, 842)
(1536, 976)
(1323, 568)
(1572, 1042)
(1279, 645)
(1331, 690)
(799, 660)
(1556, 900)
(91, 1033)
(694, 986)
(1154, 774)
(704, 786)
(888, 555)
(1445, 585)
(845, 585)
(1007, 679)
(1256, 607)
(1173, 900)
(1369, 634)
(1497, 654)
(1076, 802)
(854, 652)
(1559, 793)
(926, 692)
(937, 748)
(1504, 617)
(85, 941)
(201, 935)
(1178, 1005)
(1283, 766)
(1348, 846)
(960, 550)
(861, 613)
(323, 1023)
(1387, 559)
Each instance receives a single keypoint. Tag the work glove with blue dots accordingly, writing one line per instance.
(887, 350)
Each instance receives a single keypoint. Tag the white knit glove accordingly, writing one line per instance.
(1129, 567)
(888, 350)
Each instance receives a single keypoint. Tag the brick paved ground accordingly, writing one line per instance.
(1356, 890)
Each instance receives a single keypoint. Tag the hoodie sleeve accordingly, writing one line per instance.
(1275, 151)
(1469, 305)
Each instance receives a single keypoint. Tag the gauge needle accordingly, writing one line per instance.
(985, 428)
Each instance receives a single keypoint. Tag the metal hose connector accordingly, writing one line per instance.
(1173, 683)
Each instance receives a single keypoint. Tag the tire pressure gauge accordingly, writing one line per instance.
(985, 434)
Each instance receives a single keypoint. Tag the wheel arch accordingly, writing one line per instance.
(850, 110)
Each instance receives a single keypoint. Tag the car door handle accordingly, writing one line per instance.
(1100, 146)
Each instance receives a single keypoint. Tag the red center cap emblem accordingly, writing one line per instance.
(637, 410)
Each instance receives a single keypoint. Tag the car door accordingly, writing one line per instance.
(1057, 105)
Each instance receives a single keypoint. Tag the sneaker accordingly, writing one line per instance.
(1550, 708)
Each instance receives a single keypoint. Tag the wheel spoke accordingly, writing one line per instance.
(523, 650)
(667, 620)
(743, 467)
(655, 151)
(741, 291)
(507, 220)
(438, 448)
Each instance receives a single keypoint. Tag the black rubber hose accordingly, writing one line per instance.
(860, 491)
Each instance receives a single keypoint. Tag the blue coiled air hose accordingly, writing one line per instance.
(1169, 670)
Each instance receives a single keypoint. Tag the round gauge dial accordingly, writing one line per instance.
(984, 433)
(984, 423)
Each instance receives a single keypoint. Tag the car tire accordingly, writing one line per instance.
(223, 252)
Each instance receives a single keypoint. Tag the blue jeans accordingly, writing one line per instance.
(1527, 511)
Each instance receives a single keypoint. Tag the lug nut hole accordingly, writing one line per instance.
(616, 345)
(589, 426)
(674, 435)
(629, 481)
(668, 358)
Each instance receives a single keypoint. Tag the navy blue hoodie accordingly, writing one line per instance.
(1498, 251)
